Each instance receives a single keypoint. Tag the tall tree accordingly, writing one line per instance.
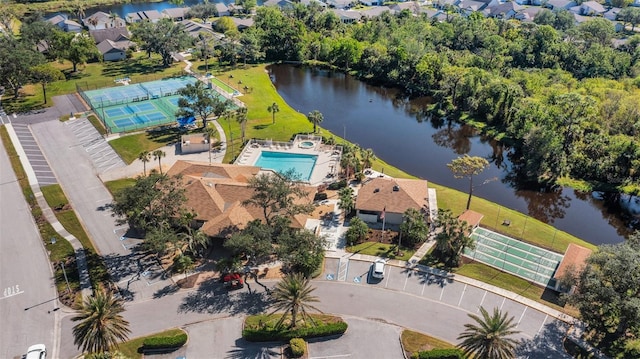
(144, 157)
(164, 38)
(158, 155)
(468, 166)
(45, 74)
(301, 251)
(316, 118)
(368, 156)
(488, 337)
(414, 228)
(255, 242)
(293, 296)
(151, 202)
(607, 293)
(198, 101)
(76, 48)
(277, 195)
(241, 117)
(273, 109)
(452, 238)
(17, 58)
(101, 325)
(211, 133)
(346, 200)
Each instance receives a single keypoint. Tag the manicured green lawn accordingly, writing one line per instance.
(384, 250)
(117, 185)
(92, 75)
(56, 199)
(414, 342)
(132, 347)
(131, 146)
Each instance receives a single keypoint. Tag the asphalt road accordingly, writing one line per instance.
(212, 307)
(78, 177)
(27, 297)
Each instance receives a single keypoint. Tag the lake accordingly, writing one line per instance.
(400, 133)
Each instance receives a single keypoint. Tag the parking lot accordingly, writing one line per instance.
(35, 157)
(436, 288)
(101, 153)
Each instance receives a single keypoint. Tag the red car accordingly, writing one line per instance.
(233, 281)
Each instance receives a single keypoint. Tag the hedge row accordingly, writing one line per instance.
(165, 341)
(440, 354)
(269, 335)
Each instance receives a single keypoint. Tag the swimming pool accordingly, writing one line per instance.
(281, 162)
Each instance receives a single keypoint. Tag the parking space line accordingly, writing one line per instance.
(482, 301)
(405, 281)
(503, 300)
(543, 322)
(522, 315)
(423, 285)
(441, 293)
(386, 282)
(462, 294)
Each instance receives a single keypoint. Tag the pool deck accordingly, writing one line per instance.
(327, 165)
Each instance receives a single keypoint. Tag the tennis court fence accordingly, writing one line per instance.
(163, 106)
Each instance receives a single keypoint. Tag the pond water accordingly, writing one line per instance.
(123, 9)
(400, 133)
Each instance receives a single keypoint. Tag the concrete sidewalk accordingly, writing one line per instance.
(173, 154)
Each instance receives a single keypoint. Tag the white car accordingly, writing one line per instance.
(378, 269)
(38, 351)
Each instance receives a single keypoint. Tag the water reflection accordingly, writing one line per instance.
(402, 133)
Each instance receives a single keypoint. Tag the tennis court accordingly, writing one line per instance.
(137, 106)
(524, 260)
(224, 87)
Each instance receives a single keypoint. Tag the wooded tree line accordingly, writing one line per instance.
(567, 97)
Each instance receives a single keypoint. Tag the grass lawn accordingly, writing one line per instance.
(92, 75)
(384, 250)
(57, 200)
(130, 147)
(514, 284)
(131, 348)
(414, 342)
(269, 321)
(117, 185)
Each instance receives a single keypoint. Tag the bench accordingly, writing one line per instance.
(506, 222)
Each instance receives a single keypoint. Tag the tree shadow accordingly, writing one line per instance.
(167, 290)
(211, 297)
(546, 344)
(248, 350)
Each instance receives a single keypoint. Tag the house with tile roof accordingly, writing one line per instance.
(65, 24)
(216, 192)
(574, 260)
(147, 15)
(391, 196)
(176, 13)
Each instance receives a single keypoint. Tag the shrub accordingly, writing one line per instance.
(357, 232)
(269, 335)
(454, 353)
(165, 341)
(320, 196)
(337, 185)
(297, 346)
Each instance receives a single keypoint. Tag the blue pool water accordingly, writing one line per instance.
(281, 162)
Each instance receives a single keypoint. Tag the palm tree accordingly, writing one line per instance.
(367, 157)
(316, 118)
(101, 325)
(346, 202)
(210, 132)
(79, 8)
(157, 155)
(273, 109)
(241, 117)
(488, 339)
(144, 157)
(293, 295)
